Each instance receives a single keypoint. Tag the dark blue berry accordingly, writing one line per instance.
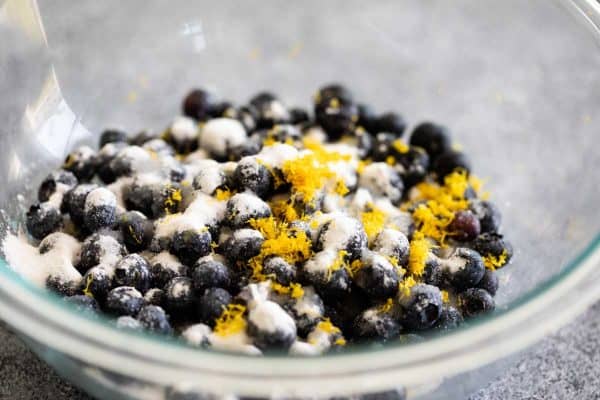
(59, 286)
(269, 111)
(415, 164)
(279, 330)
(306, 311)
(128, 323)
(465, 267)
(155, 296)
(364, 142)
(81, 162)
(83, 303)
(243, 207)
(137, 230)
(74, 202)
(422, 308)
(166, 199)
(210, 274)
(154, 319)
(124, 300)
(449, 162)
(100, 209)
(433, 138)
(494, 245)
(392, 243)
(391, 122)
(475, 301)
(433, 273)
(159, 147)
(489, 282)
(97, 247)
(282, 133)
(367, 118)
(450, 318)
(464, 227)
(298, 116)
(133, 270)
(190, 245)
(377, 277)
(209, 179)
(247, 117)
(198, 104)
(211, 305)
(222, 109)
(353, 241)
(165, 268)
(279, 270)
(333, 91)
(139, 197)
(43, 219)
(141, 138)
(97, 283)
(375, 325)
(488, 214)
(243, 245)
(179, 295)
(112, 136)
(383, 146)
(105, 156)
(251, 147)
(251, 175)
(51, 182)
(342, 311)
(337, 117)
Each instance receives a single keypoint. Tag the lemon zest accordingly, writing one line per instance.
(418, 254)
(223, 194)
(387, 306)
(231, 321)
(373, 221)
(88, 282)
(445, 296)
(400, 146)
(492, 262)
(405, 285)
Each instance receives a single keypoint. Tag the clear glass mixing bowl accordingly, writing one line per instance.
(516, 81)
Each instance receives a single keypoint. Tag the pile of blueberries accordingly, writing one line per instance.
(164, 298)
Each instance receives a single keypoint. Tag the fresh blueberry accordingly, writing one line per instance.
(208, 273)
(324, 272)
(279, 270)
(307, 310)
(243, 207)
(298, 116)
(464, 227)
(488, 214)
(198, 104)
(222, 109)
(333, 91)
(382, 180)
(164, 267)
(137, 230)
(343, 233)
(283, 133)
(112, 136)
(179, 295)
(124, 300)
(336, 116)
(450, 161)
(128, 323)
(139, 197)
(182, 135)
(433, 138)
(154, 319)
(375, 325)
(364, 142)
(489, 282)
(98, 248)
(247, 117)
(74, 202)
(83, 303)
(269, 111)
(128, 160)
(43, 219)
(190, 245)
(49, 185)
(251, 175)
(377, 277)
(133, 270)
(465, 268)
(249, 148)
(415, 164)
(433, 273)
(166, 199)
(100, 209)
(270, 326)
(450, 318)
(97, 283)
(343, 310)
(155, 296)
(367, 118)
(209, 179)
(59, 286)
(106, 154)
(475, 301)
(493, 245)
(422, 307)
(383, 146)
(391, 122)
(393, 244)
(211, 305)
(82, 163)
(243, 245)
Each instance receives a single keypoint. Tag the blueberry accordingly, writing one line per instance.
(450, 318)
(209, 179)
(251, 175)
(100, 209)
(247, 117)
(364, 142)
(211, 305)
(249, 148)
(450, 161)
(282, 133)
(83, 303)
(415, 164)
(166, 199)
(124, 300)
(179, 295)
(367, 118)
(74, 202)
(198, 104)
(343, 233)
(377, 277)
(489, 282)
(137, 230)
(128, 323)
(325, 272)
(260, 98)
(164, 267)
(383, 146)
(493, 245)
(82, 163)
(112, 136)
(298, 116)
(208, 273)
(270, 326)
(422, 308)
(391, 122)
(182, 135)
(222, 109)
(97, 249)
(133, 270)
(269, 111)
(475, 301)
(59, 286)
(279, 270)
(139, 197)
(343, 310)
(433, 273)
(49, 185)
(154, 319)
(375, 325)
(96, 283)
(465, 267)
(433, 138)
(465, 226)
(190, 245)
(382, 180)
(397, 394)
(43, 219)
(155, 296)
(158, 147)
(333, 91)
(307, 310)
(392, 243)
(106, 154)
(141, 138)
(243, 207)
(488, 214)
(243, 245)
(336, 116)
(128, 160)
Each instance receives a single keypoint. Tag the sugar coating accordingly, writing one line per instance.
(166, 260)
(100, 197)
(390, 242)
(321, 262)
(277, 154)
(208, 176)
(220, 134)
(184, 128)
(309, 305)
(197, 334)
(339, 231)
(376, 178)
(268, 316)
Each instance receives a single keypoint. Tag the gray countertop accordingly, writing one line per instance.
(565, 365)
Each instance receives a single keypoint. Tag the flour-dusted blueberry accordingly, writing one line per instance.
(166, 199)
(137, 230)
(142, 137)
(211, 305)
(60, 180)
(112, 136)
(129, 160)
(133, 270)
(210, 273)
(489, 282)
(223, 109)
(251, 175)
(465, 226)
(269, 110)
(81, 162)
(218, 136)
(414, 164)
(128, 323)
(382, 180)
(124, 300)
(199, 104)
(449, 162)
(249, 148)
(374, 324)
(164, 267)
(326, 272)
(74, 202)
(247, 116)
(393, 244)
(465, 268)
(383, 145)
(433, 138)
(299, 116)
(104, 158)
(64, 288)
(270, 326)
(422, 307)
(138, 196)
(364, 142)
(179, 295)
(155, 296)
(282, 133)
(433, 274)
(391, 122)
(489, 216)
(343, 233)
(475, 301)
(97, 283)
(209, 178)
(279, 270)
(183, 135)
(43, 219)
(377, 276)
(100, 249)
(306, 310)
(154, 319)
(450, 318)
(191, 244)
(343, 310)
(84, 304)
(242, 207)
(333, 91)
(243, 245)
(367, 118)
(494, 246)
(337, 117)
(100, 209)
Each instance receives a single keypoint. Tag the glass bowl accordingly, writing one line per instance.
(516, 81)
